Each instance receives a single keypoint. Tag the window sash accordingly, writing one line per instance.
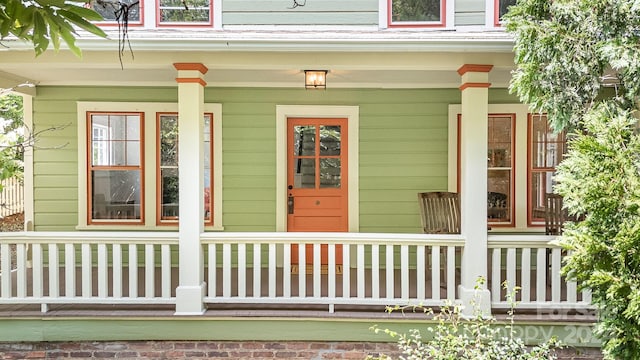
(173, 12)
(545, 151)
(167, 211)
(109, 11)
(115, 183)
(417, 13)
(500, 169)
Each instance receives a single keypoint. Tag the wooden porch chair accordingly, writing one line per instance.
(440, 212)
(555, 215)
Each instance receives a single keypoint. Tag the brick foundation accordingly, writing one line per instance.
(219, 350)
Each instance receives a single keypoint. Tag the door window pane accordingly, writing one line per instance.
(304, 142)
(304, 173)
(330, 173)
(329, 140)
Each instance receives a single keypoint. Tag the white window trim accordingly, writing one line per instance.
(449, 17)
(352, 114)
(150, 144)
(520, 174)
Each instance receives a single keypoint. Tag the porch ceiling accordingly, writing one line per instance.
(354, 60)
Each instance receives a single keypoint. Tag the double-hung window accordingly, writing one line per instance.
(115, 170)
(167, 169)
(546, 150)
(112, 11)
(416, 13)
(128, 171)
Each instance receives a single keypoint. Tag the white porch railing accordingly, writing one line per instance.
(374, 269)
(87, 267)
(533, 264)
(261, 268)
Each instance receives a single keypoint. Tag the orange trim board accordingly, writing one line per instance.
(191, 66)
(474, 68)
(191, 80)
(474, 85)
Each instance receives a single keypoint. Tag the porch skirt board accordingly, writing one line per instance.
(223, 349)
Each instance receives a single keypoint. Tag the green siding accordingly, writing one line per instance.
(403, 150)
(278, 12)
(470, 12)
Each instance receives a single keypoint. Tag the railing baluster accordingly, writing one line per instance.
(526, 276)
(404, 272)
(5, 255)
(211, 249)
(420, 272)
(149, 271)
(87, 276)
(302, 270)
(54, 283)
(317, 271)
(375, 271)
(390, 272)
(360, 271)
(451, 272)
(435, 272)
(257, 270)
(555, 275)
(242, 270)
(69, 270)
(332, 270)
(541, 275)
(496, 279)
(103, 275)
(511, 269)
(346, 271)
(21, 267)
(133, 271)
(226, 270)
(272, 270)
(117, 270)
(38, 275)
(166, 270)
(286, 271)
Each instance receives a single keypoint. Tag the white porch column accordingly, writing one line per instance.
(473, 185)
(191, 287)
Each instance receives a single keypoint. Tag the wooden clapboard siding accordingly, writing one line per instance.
(403, 150)
(314, 12)
(470, 12)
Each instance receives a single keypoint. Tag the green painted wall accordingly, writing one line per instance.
(314, 12)
(403, 150)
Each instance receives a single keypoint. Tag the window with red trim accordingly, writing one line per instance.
(546, 150)
(111, 11)
(167, 169)
(500, 168)
(115, 170)
(501, 8)
(179, 12)
(416, 13)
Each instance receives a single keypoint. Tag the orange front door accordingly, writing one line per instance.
(317, 177)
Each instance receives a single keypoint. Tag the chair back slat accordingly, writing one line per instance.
(440, 212)
(555, 215)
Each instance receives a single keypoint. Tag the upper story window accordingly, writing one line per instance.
(115, 169)
(416, 13)
(501, 7)
(184, 12)
(546, 150)
(111, 11)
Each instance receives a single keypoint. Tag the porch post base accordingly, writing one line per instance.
(189, 300)
(475, 302)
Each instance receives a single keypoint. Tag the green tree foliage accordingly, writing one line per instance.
(565, 49)
(566, 52)
(12, 137)
(47, 22)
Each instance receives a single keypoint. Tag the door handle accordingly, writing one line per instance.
(290, 204)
